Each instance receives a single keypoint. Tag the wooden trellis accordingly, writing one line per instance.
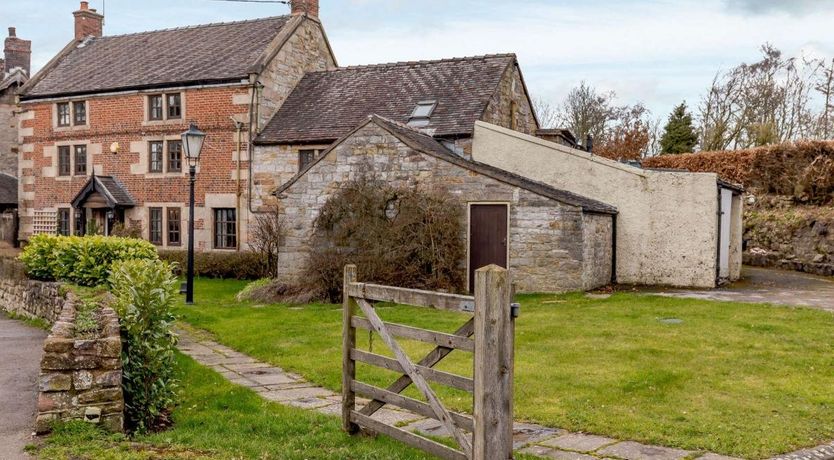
(487, 435)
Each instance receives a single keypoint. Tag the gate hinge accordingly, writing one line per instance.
(515, 310)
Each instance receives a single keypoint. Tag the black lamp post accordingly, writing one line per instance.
(192, 141)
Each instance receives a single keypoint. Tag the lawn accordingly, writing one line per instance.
(216, 419)
(739, 379)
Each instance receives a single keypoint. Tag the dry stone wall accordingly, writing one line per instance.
(28, 298)
(81, 377)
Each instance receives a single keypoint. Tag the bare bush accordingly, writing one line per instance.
(266, 238)
(395, 235)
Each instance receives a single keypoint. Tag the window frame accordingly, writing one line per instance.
(64, 150)
(158, 232)
(151, 107)
(302, 153)
(172, 220)
(224, 228)
(63, 114)
(64, 224)
(151, 153)
(169, 157)
(75, 111)
(168, 106)
(76, 150)
(79, 220)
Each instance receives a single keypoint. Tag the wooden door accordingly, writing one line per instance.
(488, 237)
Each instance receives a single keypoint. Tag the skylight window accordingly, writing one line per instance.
(422, 113)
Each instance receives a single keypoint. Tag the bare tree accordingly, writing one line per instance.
(547, 114)
(766, 102)
(824, 85)
(588, 112)
(267, 236)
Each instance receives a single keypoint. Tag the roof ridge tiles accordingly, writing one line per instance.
(420, 62)
(196, 26)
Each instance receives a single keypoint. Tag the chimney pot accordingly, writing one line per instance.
(308, 7)
(88, 22)
(17, 53)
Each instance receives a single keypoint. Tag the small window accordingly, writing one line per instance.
(64, 221)
(424, 109)
(174, 227)
(79, 222)
(174, 156)
(174, 106)
(155, 107)
(63, 114)
(155, 163)
(305, 157)
(155, 225)
(80, 160)
(225, 228)
(79, 111)
(64, 160)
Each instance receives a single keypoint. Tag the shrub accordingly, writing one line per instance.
(228, 265)
(266, 238)
(398, 236)
(146, 292)
(81, 260)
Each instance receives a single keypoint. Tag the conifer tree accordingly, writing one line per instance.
(679, 134)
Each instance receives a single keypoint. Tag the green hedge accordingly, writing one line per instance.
(146, 292)
(228, 265)
(83, 260)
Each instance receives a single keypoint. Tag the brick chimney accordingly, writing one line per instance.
(88, 22)
(308, 7)
(17, 52)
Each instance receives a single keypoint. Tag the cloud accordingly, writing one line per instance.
(792, 7)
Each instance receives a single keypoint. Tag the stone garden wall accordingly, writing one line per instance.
(81, 377)
(28, 298)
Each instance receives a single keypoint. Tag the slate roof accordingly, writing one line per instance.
(211, 53)
(8, 189)
(427, 144)
(110, 187)
(326, 105)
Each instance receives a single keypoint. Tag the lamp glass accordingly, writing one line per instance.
(192, 141)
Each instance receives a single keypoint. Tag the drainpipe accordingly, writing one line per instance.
(254, 114)
(614, 249)
(239, 128)
(718, 243)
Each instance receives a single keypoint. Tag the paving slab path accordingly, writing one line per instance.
(767, 285)
(276, 384)
(20, 357)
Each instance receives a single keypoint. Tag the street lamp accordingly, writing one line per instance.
(192, 141)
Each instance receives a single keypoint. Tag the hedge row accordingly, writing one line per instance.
(234, 265)
(802, 170)
(83, 260)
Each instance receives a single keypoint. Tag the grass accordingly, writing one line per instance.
(216, 419)
(738, 379)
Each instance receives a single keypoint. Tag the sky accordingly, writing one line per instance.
(658, 52)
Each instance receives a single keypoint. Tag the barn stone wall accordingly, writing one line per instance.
(547, 250)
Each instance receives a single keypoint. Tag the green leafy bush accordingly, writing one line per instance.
(146, 293)
(83, 260)
(227, 265)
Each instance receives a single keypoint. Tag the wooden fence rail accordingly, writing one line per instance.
(487, 434)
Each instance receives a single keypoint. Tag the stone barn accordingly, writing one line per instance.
(552, 240)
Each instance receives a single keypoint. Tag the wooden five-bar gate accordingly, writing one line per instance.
(487, 434)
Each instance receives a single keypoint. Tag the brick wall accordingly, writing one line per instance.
(547, 248)
(81, 378)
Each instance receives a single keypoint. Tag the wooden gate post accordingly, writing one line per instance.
(494, 335)
(348, 344)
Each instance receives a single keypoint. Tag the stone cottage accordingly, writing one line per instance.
(551, 239)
